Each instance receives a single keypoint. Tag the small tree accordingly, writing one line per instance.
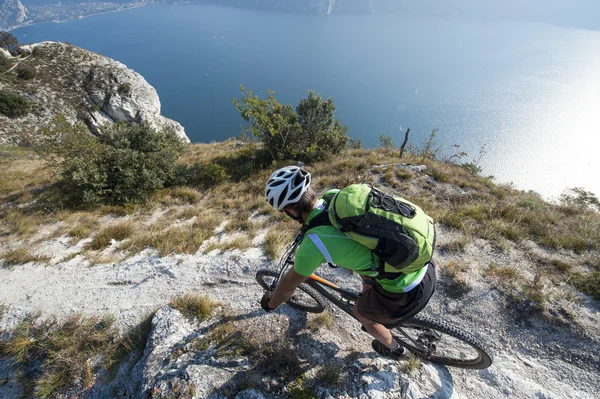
(386, 142)
(5, 64)
(8, 42)
(307, 134)
(125, 89)
(26, 73)
(13, 105)
(123, 165)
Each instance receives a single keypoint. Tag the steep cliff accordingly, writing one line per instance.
(12, 14)
(57, 78)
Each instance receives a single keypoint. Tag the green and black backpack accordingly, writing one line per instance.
(396, 230)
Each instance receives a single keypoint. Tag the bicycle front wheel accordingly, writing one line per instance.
(442, 343)
(305, 297)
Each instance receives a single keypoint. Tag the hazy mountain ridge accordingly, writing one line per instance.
(12, 14)
(579, 13)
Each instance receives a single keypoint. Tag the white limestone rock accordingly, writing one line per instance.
(83, 86)
(5, 53)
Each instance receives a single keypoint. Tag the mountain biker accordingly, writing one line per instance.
(383, 301)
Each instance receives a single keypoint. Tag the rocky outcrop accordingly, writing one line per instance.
(82, 86)
(12, 14)
(180, 357)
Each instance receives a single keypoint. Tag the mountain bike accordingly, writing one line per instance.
(431, 339)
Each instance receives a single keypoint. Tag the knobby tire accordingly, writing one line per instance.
(482, 357)
(308, 300)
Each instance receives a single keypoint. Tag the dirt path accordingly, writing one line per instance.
(533, 358)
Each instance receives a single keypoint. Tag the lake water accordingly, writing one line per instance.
(528, 92)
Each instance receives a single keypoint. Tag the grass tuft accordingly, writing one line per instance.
(167, 240)
(21, 256)
(319, 321)
(194, 306)
(412, 365)
(118, 232)
(588, 284)
(331, 374)
(53, 357)
(502, 277)
(239, 242)
(275, 242)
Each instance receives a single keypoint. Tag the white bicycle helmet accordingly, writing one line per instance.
(286, 186)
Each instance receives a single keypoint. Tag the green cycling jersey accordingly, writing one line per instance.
(323, 244)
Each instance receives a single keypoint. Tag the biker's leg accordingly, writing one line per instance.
(378, 331)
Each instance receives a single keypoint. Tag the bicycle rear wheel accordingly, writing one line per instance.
(305, 297)
(442, 343)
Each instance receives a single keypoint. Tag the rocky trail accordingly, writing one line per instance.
(533, 357)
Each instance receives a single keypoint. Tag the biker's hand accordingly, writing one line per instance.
(264, 302)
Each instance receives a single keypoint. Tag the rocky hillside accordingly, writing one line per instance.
(56, 78)
(519, 273)
(12, 14)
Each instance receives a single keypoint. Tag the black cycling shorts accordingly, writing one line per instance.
(389, 308)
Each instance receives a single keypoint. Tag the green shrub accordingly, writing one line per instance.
(309, 133)
(472, 168)
(386, 142)
(124, 165)
(588, 284)
(578, 196)
(355, 144)
(13, 105)
(8, 42)
(5, 63)
(124, 89)
(25, 73)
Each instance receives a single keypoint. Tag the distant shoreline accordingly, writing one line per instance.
(79, 17)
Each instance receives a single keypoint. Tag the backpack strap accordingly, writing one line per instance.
(322, 219)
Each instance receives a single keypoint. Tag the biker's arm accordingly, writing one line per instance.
(286, 287)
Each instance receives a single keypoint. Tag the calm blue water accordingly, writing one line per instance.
(528, 92)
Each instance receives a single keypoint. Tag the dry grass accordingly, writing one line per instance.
(276, 358)
(195, 306)
(21, 256)
(320, 321)
(175, 196)
(97, 258)
(331, 374)
(167, 240)
(276, 241)
(448, 192)
(459, 282)
(69, 257)
(456, 245)
(502, 276)
(588, 284)
(22, 171)
(118, 232)
(412, 365)
(20, 224)
(240, 242)
(53, 357)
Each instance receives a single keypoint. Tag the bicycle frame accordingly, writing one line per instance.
(425, 332)
(346, 299)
